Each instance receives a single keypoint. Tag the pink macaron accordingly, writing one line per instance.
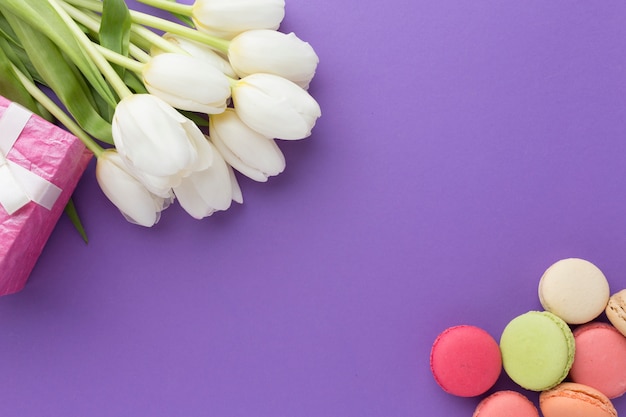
(506, 403)
(465, 361)
(600, 358)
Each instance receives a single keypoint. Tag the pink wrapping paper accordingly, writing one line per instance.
(57, 156)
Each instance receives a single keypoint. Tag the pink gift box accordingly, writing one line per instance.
(56, 156)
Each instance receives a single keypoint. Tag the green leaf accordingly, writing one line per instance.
(20, 59)
(41, 14)
(70, 210)
(186, 20)
(133, 82)
(63, 78)
(10, 86)
(15, 52)
(115, 28)
(199, 120)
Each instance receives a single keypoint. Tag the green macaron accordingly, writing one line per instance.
(537, 350)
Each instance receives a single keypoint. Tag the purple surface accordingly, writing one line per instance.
(463, 148)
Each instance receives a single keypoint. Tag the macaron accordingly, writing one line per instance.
(600, 359)
(465, 361)
(616, 311)
(575, 290)
(570, 399)
(537, 350)
(506, 403)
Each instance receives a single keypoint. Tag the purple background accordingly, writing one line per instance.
(463, 148)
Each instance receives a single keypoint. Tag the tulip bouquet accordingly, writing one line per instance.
(168, 117)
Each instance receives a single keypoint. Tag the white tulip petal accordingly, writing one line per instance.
(203, 148)
(275, 106)
(186, 194)
(184, 103)
(156, 140)
(187, 82)
(229, 17)
(275, 119)
(272, 52)
(159, 186)
(250, 147)
(236, 190)
(204, 192)
(151, 135)
(234, 161)
(128, 194)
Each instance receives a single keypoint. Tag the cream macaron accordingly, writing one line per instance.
(575, 290)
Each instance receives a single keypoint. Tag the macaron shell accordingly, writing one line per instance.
(600, 359)
(575, 290)
(537, 350)
(575, 400)
(506, 404)
(465, 361)
(616, 311)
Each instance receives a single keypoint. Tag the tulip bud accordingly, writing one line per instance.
(275, 107)
(187, 83)
(126, 192)
(273, 52)
(155, 139)
(198, 50)
(204, 192)
(246, 150)
(227, 18)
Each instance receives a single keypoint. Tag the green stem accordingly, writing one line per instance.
(193, 34)
(162, 24)
(138, 53)
(120, 59)
(138, 30)
(103, 65)
(56, 111)
(170, 6)
(156, 40)
(89, 21)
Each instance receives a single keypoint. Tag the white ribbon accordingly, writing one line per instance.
(18, 185)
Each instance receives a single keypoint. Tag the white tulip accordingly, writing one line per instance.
(126, 192)
(157, 140)
(246, 150)
(198, 50)
(187, 82)
(275, 107)
(227, 18)
(274, 53)
(204, 192)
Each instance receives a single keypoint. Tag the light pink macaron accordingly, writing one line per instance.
(600, 358)
(506, 403)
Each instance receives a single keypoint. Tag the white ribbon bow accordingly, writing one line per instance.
(19, 186)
